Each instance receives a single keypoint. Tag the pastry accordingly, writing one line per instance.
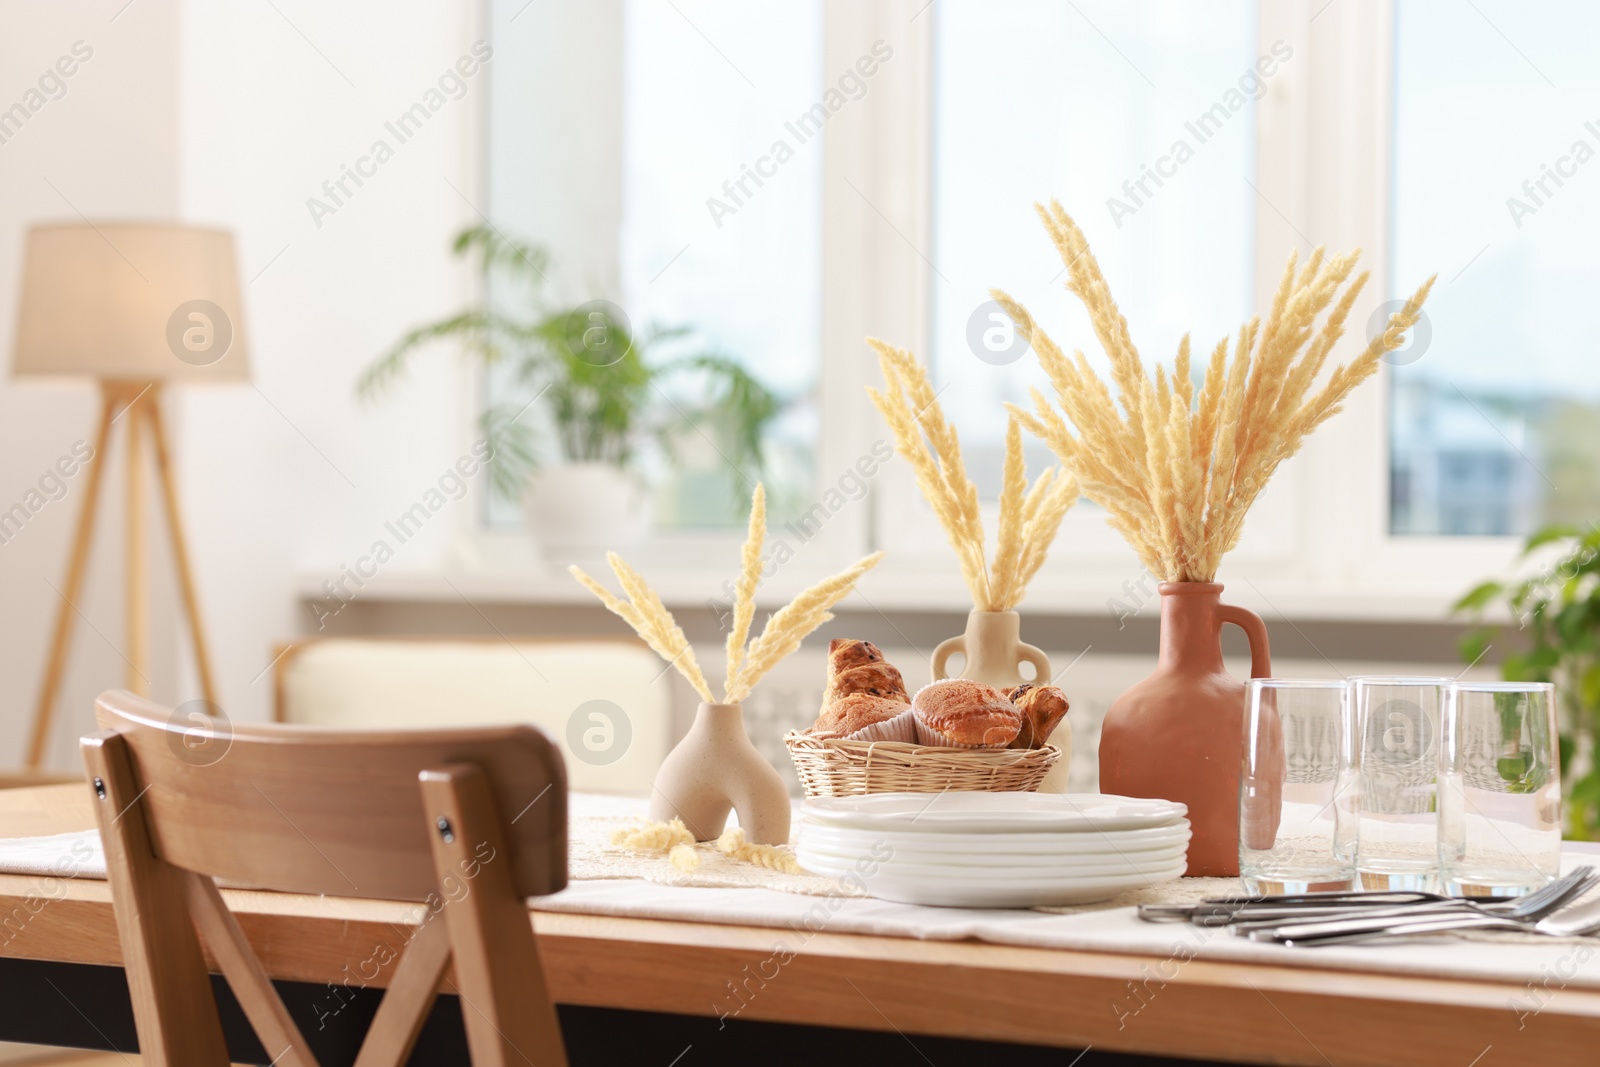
(857, 668)
(966, 714)
(1043, 707)
(845, 716)
(873, 679)
(863, 693)
(847, 652)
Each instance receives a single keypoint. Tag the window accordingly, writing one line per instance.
(1197, 144)
(1495, 421)
(636, 143)
(1031, 101)
(721, 231)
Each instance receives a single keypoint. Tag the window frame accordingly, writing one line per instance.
(1323, 134)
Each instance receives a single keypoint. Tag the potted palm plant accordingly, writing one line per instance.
(585, 398)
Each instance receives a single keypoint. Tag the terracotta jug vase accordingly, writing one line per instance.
(715, 770)
(1178, 735)
(994, 651)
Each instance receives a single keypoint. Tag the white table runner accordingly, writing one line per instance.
(606, 883)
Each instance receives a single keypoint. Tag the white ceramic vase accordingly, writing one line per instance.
(581, 509)
(715, 770)
(994, 652)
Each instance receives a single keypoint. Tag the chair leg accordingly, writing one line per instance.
(505, 1003)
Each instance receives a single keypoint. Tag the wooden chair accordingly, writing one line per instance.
(467, 823)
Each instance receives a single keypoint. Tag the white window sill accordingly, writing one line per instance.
(891, 589)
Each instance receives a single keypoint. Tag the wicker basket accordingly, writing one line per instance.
(842, 768)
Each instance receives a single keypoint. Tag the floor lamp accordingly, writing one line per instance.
(135, 306)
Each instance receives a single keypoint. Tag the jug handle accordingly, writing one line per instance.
(1041, 663)
(1256, 632)
(942, 654)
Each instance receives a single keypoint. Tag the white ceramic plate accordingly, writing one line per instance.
(1011, 893)
(992, 813)
(979, 849)
(837, 864)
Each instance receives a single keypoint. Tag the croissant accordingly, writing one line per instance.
(847, 652)
(874, 679)
(858, 667)
(845, 716)
(862, 688)
(1043, 707)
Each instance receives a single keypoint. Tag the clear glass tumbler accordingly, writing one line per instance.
(1500, 788)
(1297, 792)
(1397, 749)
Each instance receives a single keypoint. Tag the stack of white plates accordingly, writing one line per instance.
(994, 850)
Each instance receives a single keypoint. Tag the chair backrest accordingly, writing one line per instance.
(604, 700)
(406, 816)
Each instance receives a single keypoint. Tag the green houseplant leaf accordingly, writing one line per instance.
(1480, 597)
(1549, 535)
(594, 401)
(1557, 611)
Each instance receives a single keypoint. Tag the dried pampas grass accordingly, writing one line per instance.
(678, 843)
(653, 836)
(772, 857)
(650, 619)
(789, 625)
(748, 661)
(1029, 517)
(1175, 470)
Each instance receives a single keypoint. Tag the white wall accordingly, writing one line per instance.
(235, 115)
(297, 471)
(106, 147)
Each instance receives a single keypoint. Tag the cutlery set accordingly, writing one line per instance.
(1342, 918)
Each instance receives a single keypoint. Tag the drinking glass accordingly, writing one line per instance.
(1500, 788)
(1397, 750)
(1297, 792)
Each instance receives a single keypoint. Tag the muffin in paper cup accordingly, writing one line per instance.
(964, 706)
(931, 738)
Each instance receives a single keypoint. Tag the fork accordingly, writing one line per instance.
(1529, 908)
(1426, 918)
(1267, 910)
(1353, 896)
(1526, 909)
(1576, 921)
(1221, 911)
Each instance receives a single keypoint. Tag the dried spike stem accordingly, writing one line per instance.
(747, 661)
(1029, 520)
(1177, 472)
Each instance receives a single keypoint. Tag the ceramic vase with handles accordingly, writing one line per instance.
(715, 770)
(994, 653)
(582, 509)
(1178, 734)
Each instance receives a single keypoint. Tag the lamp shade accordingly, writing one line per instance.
(130, 301)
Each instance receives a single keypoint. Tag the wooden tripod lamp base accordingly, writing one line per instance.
(136, 404)
(133, 306)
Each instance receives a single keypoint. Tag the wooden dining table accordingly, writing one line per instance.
(650, 991)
